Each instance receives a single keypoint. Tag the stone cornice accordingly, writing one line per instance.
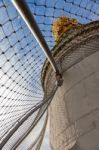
(70, 40)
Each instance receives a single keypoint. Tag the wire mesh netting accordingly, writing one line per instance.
(21, 58)
(46, 12)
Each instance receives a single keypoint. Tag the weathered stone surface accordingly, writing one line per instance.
(74, 110)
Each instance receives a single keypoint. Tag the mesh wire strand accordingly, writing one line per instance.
(21, 58)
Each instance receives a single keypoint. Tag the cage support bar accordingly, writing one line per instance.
(26, 116)
(28, 17)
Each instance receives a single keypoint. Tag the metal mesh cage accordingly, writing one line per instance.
(21, 58)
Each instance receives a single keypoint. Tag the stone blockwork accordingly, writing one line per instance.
(74, 110)
(72, 48)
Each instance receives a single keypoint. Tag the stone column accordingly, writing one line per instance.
(74, 110)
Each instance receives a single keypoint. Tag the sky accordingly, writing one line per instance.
(21, 58)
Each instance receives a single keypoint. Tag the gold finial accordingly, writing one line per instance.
(62, 25)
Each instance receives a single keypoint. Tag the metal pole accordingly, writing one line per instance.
(27, 16)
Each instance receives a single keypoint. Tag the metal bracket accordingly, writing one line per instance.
(59, 79)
